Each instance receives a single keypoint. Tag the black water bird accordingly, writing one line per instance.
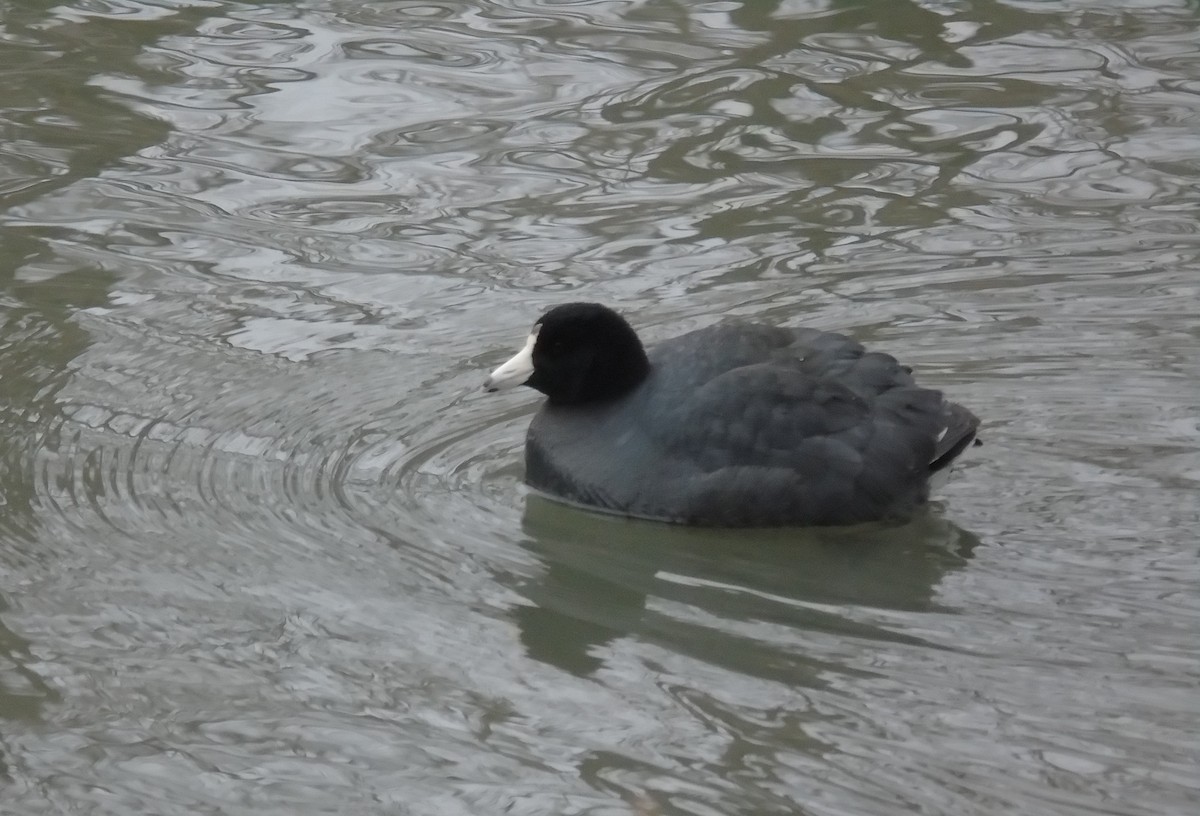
(734, 425)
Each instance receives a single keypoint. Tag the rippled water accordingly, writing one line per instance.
(263, 543)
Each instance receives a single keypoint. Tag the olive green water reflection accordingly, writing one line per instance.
(263, 543)
(599, 573)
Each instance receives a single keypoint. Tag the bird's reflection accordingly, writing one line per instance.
(605, 578)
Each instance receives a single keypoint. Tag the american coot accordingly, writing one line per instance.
(735, 425)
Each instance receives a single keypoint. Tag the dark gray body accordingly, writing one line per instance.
(751, 425)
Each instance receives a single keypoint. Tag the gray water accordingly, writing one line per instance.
(264, 547)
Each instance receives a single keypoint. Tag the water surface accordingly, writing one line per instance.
(264, 547)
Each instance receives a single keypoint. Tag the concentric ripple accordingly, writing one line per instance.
(341, 444)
